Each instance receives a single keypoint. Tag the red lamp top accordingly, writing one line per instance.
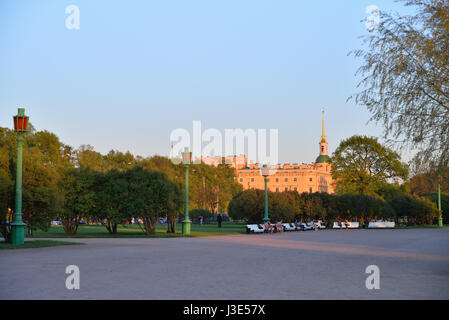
(440, 178)
(186, 156)
(20, 121)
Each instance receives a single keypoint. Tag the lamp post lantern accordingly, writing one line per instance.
(186, 159)
(266, 173)
(18, 226)
(440, 212)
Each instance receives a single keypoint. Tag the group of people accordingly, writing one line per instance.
(219, 220)
(346, 224)
(279, 226)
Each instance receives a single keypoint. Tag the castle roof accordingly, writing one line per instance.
(323, 159)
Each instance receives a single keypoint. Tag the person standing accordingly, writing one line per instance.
(219, 220)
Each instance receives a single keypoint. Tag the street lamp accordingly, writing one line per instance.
(440, 212)
(266, 173)
(186, 159)
(20, 126)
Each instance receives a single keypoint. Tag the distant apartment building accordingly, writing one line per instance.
(314, 177)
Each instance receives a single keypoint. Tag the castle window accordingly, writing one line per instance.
(277, 180)
(310, 190)
(296, 189)
(286, 179)
(277, 189)
(252, 179)
(241, 179)
(310, 179)
(286, 189)
(295, 179)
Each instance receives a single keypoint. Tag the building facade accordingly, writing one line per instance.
(314, 177)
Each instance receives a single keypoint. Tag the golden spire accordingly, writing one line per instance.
(323, 134)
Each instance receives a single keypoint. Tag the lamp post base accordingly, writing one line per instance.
(266, 219)
(18, 233)
(186, 227)
(440, 222)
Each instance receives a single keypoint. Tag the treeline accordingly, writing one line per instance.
(70, 184)
(289, 206)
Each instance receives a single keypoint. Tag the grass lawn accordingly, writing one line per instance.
(36, 244)
(133, 231)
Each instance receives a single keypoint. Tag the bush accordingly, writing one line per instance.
(417, 211)
(444, 204)
(196, 213)
(249, 205)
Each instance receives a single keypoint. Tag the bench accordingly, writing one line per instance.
(254, 228)
(288, 227)
(352, 225)
(381, 224)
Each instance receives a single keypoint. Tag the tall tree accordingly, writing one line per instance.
(406, 79)
(111, 199)
(362, 165)
(87, 157)
(249, 205)
(77, 189)
(152, 195)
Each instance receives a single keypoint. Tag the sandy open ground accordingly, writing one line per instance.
(329, 264)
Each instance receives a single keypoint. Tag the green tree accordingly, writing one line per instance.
(433, 197)
(6, 194)
(150, 196)
(86, 157)
(427, 182)
(111, 199)
(362, 165)
(196, 213)
(416, 210)
(360, 207)
(405, 79)
(389, 191)
(119, 160)
(77, 190)
(249, 205)
(40, 198)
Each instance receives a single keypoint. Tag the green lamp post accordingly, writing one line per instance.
(440, 212)
(186, 159)
(266, 173)
(20, 126)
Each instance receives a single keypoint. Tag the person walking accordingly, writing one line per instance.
(219, 220)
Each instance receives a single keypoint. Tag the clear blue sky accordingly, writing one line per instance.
(136, 70)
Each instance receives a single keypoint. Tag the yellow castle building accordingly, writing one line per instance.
(314, 177)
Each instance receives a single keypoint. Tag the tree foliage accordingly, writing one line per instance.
(249, 205)
(418, 211)
(406, 79)
(362, 165)
(152, 195)
(77, 189)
